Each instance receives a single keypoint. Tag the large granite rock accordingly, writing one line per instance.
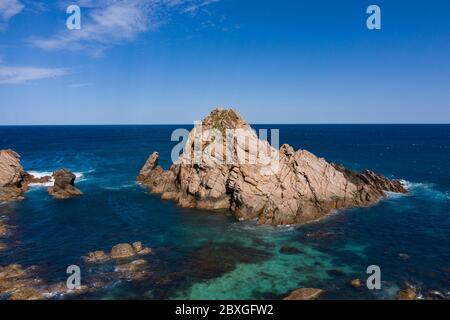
(224, 165)
(13, 178)
(64, 186)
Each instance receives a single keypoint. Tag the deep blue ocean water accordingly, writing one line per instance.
(209, 255)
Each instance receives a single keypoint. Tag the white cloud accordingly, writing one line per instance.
(108, 22)
(80, 85)
(8, 9)
(20, 75)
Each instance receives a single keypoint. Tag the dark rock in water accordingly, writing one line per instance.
(64, 186)
(277, 187)
(336, 273)
(96, 257)
(13, 178)
(135, 270)
(212, 261)
(305, 294)
(289, 250)
(324, 235)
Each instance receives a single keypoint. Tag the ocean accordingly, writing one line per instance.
(210, 255)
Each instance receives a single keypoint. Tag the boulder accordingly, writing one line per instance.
(305, 294)
(64, 185)
(122, 250)
(226, 166)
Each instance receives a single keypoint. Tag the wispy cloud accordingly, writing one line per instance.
(8, 9)
(79, 85)
(108, 22)
(20, 75)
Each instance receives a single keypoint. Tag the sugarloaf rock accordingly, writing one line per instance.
(224, 165)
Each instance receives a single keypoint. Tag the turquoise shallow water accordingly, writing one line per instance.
(204, 255)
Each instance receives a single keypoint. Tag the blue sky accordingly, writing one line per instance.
(171, 61)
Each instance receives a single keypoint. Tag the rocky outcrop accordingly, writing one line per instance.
(19, 283)
(119, 251)
(225, 165)
(64, 186)
(135, 270)
(305, 294)
(13, 178)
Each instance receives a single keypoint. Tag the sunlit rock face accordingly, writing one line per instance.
(225, 165)
(13, 178)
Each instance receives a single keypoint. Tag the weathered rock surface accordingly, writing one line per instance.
(305, 294)
(19, 283)
(13, 178)
(256, 181)
(119, 251)
(64, 186)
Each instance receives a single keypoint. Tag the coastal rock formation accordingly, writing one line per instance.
(19, 283)
(305, 294)
(13, 178)
(224, 165)
(119, 251)
(64, 186)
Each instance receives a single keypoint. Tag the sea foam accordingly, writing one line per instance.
(40, 174)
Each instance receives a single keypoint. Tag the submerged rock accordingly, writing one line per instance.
(289, 250)
(134, 270)
(305, 294)
(96, 257)
(225, 166)
(64, 186)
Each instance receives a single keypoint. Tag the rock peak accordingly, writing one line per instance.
(223, 119)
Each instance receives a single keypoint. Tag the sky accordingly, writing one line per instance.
(172, 61)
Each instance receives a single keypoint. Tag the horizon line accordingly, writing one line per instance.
(191, 124)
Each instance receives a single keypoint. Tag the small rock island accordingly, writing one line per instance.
(14, 180)
(293, 187)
